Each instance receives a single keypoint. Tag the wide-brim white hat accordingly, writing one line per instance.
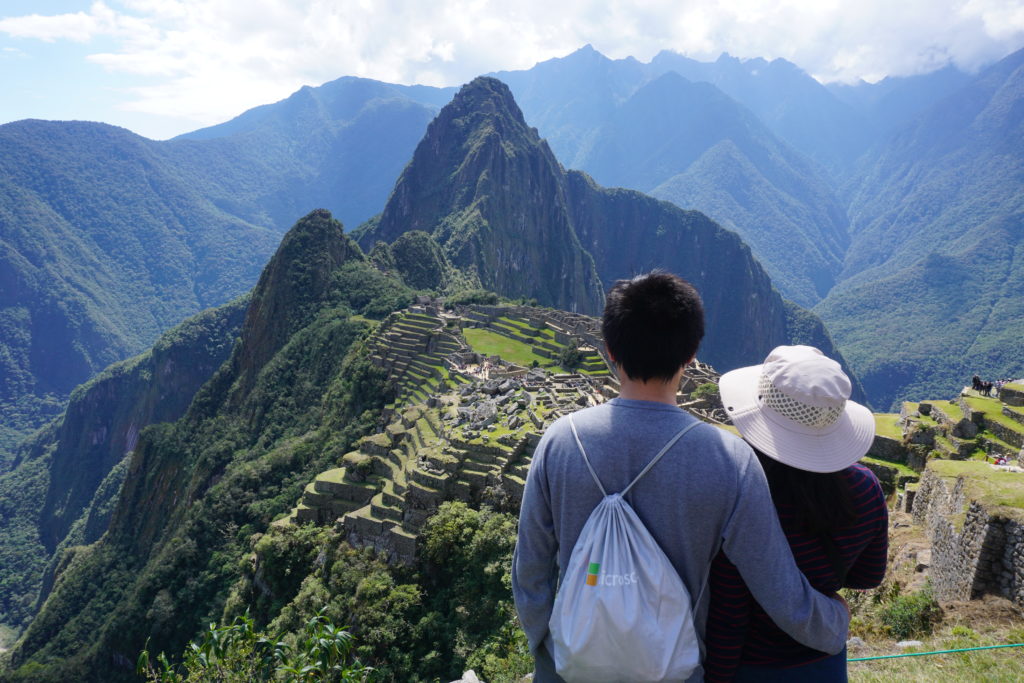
(796, 408)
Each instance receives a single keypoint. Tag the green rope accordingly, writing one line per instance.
(937, 652)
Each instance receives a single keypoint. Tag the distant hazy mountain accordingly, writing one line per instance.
(691, 144)
(893, 101)
(797, 108)
(105, 244)
(645, 127)
(340, 145)
(934, 273)
(107, 239)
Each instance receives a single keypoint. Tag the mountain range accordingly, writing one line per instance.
(109, 238)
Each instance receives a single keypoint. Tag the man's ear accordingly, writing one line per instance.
(610, 356)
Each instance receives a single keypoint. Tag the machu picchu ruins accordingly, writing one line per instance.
(475, 386)
(957, 467)
(465, 418)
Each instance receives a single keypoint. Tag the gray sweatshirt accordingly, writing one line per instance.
(708, 490)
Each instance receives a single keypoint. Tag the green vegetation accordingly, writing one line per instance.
(993, 412)
(996, 489)
(238, 653)
(490, 343)
(63, 490)
(706, 389)
(570, 357)
(887, 424)
(901, 469)
(449, 612)
(910, 615)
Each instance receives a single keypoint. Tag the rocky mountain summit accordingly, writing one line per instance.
(488, 190)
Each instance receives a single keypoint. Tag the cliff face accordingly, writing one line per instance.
(66, 479)
(293, 285)
(630, 233)
(103, 421)
(492, 194)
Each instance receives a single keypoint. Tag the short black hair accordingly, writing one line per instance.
(653, 324)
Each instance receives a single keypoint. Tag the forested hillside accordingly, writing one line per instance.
(104, 246)
(109, 239)
(65, 480)
(931, 290)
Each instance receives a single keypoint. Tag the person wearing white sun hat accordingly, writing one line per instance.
(795, 411)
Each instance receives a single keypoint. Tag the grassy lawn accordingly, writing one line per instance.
(993, 488)
(993, 411)
(490, 343)
(900, 468)
(979, 665)
(951, 410)
(886, 425)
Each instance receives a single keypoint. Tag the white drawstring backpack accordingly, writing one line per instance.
(622, 613)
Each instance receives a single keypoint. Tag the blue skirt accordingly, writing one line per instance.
(828, 670)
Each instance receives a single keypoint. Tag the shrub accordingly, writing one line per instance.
(913, 614)
(706, 389)
(237, 653)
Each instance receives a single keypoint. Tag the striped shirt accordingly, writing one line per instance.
(739, 630)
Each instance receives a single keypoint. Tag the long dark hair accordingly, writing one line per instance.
(822, 501)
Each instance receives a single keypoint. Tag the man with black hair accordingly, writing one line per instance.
(709, 490)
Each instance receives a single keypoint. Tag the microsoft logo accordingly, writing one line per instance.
(592, 572)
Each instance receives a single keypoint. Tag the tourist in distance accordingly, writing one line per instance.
(707, 492)
(794, 410)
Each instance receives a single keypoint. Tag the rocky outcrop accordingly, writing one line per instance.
(292, 287)
(492, 194)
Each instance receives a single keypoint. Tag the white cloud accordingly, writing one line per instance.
(207, 60)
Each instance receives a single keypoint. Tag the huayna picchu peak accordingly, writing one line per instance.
(491, 193)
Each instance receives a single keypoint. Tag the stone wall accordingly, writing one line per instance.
(1012, 394)
(973, 551)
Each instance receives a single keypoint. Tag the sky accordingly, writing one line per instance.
(165, 67)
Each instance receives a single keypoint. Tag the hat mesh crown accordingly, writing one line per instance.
(814, 417)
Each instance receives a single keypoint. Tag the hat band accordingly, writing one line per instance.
(813, 417)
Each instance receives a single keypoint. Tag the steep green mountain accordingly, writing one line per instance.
(196, 490)
(490, 192)
(64, 482)
(932, 282)
(103, 246)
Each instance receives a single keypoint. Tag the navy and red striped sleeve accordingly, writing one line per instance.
(728, 620)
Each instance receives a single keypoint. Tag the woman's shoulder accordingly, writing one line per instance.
(858, 472)
(863, 483)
